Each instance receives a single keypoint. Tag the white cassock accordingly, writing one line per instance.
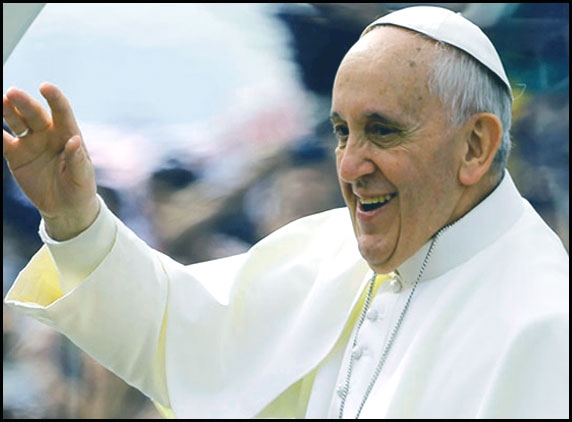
(272, 332)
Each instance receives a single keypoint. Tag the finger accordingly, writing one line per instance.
(62, 113)
(31, 111)
(11, 116)
(8, 143)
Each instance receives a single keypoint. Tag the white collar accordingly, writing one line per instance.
(480, 227)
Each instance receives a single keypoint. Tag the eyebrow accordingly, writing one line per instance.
(371, 116)
(335, 116)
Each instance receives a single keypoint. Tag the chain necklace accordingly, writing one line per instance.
(391, 340)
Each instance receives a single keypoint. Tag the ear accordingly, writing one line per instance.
(483, 134)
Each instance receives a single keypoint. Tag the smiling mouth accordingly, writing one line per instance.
(375, 202)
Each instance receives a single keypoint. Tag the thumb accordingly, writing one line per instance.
(73, 149)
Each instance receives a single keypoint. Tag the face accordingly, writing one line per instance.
(397, 156)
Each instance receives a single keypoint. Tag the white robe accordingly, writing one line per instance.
(262, 333)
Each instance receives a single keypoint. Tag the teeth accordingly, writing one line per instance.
(376, 199)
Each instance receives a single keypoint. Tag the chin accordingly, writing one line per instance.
(378, 261)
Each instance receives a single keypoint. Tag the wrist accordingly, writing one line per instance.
(69, 224)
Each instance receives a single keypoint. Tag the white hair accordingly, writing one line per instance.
(467, 87)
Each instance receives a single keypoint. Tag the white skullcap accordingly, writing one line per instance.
(451, 28)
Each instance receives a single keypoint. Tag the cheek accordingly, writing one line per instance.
(429, 189)
(421, 181)
(345, 188)
(338, 154)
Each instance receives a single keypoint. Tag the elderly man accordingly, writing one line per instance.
(438, 292)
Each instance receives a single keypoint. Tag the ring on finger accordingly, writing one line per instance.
(23, 133)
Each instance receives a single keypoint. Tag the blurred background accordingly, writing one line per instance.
(208, 127)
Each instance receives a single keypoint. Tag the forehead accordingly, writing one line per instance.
(388, 50)
(392, 42)
(386, 69)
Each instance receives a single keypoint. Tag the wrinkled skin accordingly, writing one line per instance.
(395, 142)
(50, 163)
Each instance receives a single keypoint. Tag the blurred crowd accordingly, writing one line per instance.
(177, 211)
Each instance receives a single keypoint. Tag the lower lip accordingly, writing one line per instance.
(370, 215)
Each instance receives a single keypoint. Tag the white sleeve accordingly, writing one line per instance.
(76, 258)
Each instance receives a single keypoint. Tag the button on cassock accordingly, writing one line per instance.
(372, 315)
(395, 284)
(357, 352)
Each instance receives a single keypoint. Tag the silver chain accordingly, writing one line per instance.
(391, 340)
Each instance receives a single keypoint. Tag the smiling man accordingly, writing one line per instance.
(405, 170)
(438, 292)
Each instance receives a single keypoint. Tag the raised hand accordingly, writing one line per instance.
(50, 161)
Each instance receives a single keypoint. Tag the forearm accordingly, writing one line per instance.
(111, 304)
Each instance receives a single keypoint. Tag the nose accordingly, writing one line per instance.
(353, 162)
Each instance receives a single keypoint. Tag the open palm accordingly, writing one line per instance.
(49, 160)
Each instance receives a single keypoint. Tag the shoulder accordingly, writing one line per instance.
(532, 247)
(528, 269)
(328, 226)
(320, 238)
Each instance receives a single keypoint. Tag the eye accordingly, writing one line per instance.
(381, 130)
(384, 135)
(341, 132)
